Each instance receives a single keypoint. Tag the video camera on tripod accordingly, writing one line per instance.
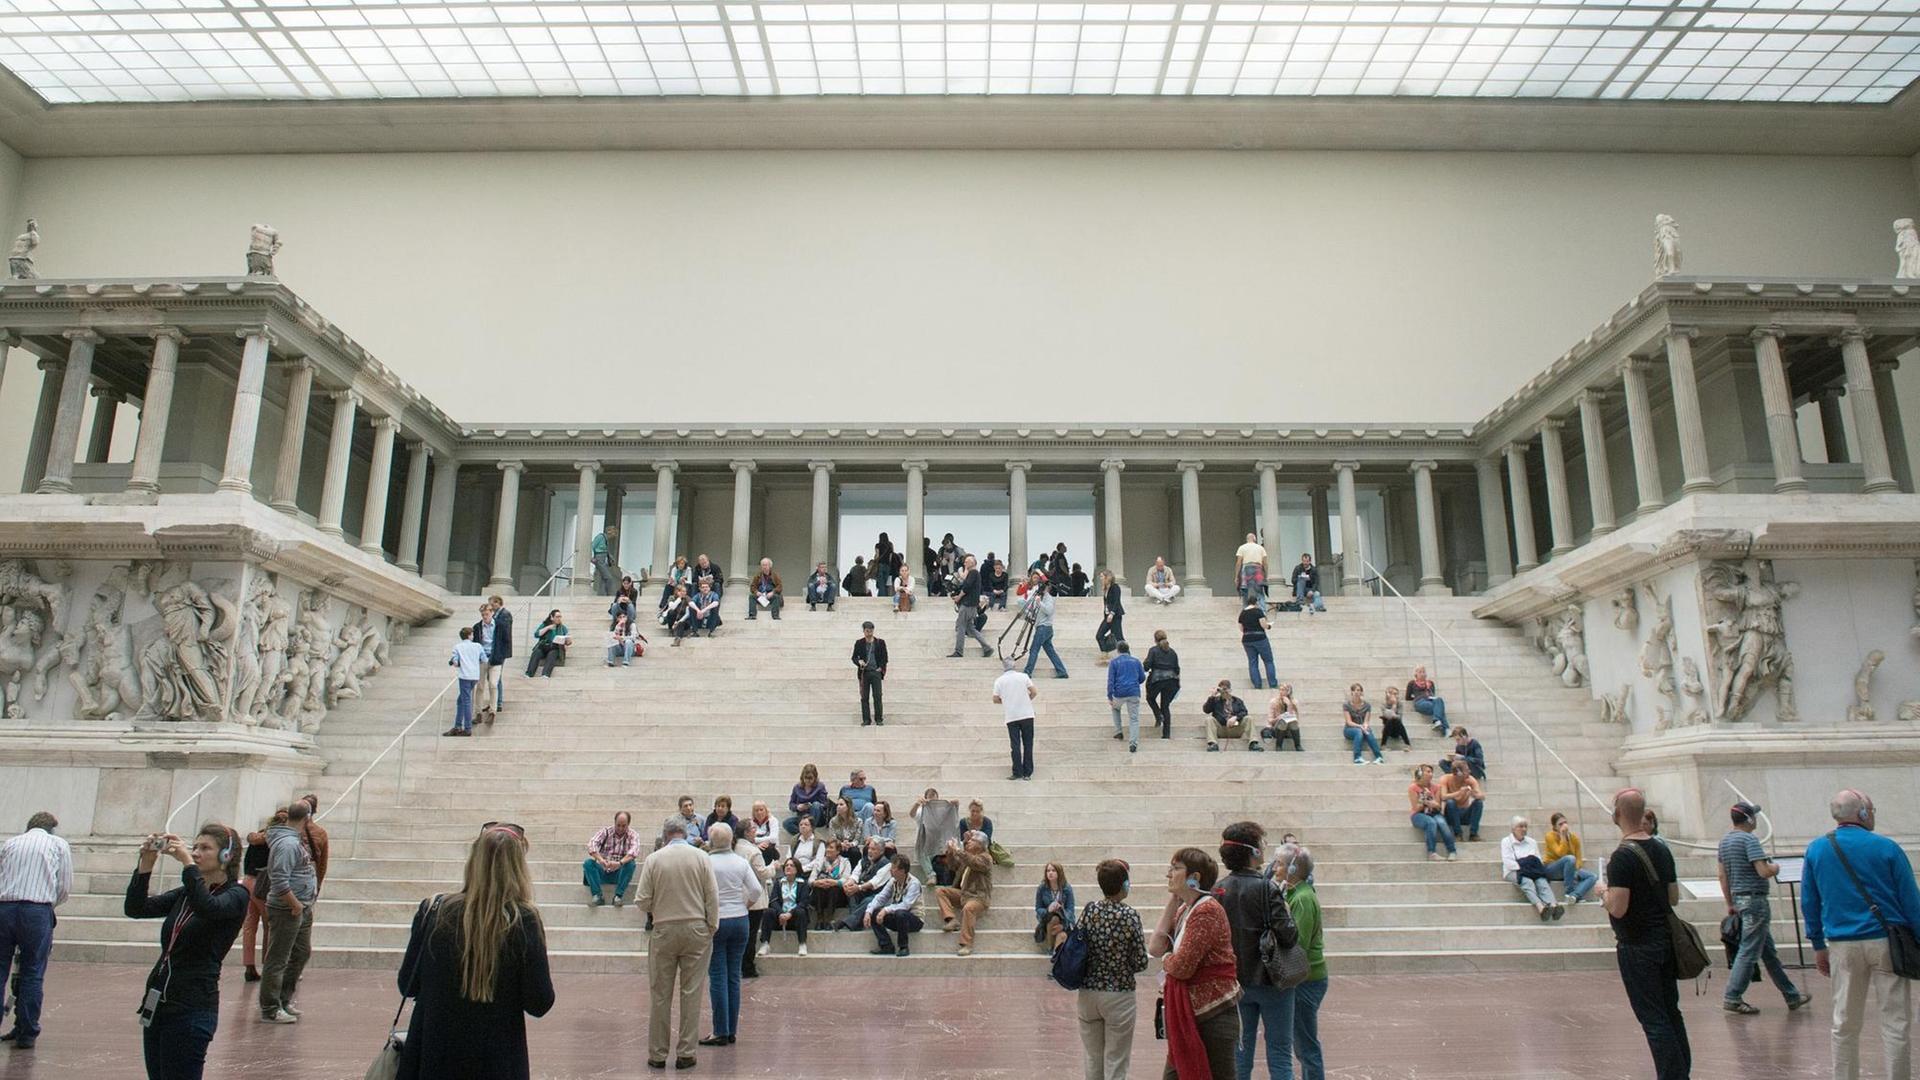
(1022, 630)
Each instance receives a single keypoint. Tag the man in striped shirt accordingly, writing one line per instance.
(36, 875)
(610, 860)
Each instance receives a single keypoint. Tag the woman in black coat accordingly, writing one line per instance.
(1163, 681)
(202, 917)
(476, 966)
(1112, 612)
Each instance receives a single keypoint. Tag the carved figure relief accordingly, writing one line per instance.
(317, 654)
(20, 255)
(1656, 655)
(246, 649)
(1613, 707)
(1749, 652)
(342, 682)
(263, 243)
(21, 633)
(1915, 632)
(1666, 246)
(1906, 249)
(1570, 647)
(1909, 712)
(275, 616)
(184, 668)
(1626, 613)
(100, 656)
(1696, 692)
(30, 617)
(1862, 709)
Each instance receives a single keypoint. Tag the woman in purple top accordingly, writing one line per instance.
(809, 798)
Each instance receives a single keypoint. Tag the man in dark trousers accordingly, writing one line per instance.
(502, 652)
(966, 608)
(870, 667)
(1641, 884)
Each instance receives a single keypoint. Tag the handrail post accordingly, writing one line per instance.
(401, 780)
(1539, 798)
(359, 797)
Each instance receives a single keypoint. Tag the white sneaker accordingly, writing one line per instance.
(279, 1016)
(291, 1009)
(765, 948)
(803, 950)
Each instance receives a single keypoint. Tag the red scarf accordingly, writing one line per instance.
(1184, 1048)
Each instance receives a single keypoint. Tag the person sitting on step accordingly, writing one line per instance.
(611, 860)
(763, 832)
(962, 903)
(809, 799)
(1427, 809)
(686, 821)
(1521, 865)
(822, 588)
(677, 614)
(622, 641)
(880, 825)
(830, 881)
(679, 575)
(706, 608)
(1283, 719)
(869, 875)
(845, 826)
(626, 598)
(1306, 585)
(1227, 715)
(1465, 801)
(1426, 699)
(894, 908)
(993, 582)
(1358, 726)
(550, 641)
(706, 572)
(974, 821)
(1560, 850)
(1467, 748)
(855, 583)
(765, 591)
(808, 848)
(860, 793)
(1053, 908)
(789, 907)
(1391, 726)
(1161, 587)
(903, 590)
(722, 814)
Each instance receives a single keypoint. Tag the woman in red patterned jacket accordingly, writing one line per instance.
(1202, 985)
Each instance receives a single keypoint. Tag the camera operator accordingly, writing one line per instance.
(182, 1004)
(968, 609)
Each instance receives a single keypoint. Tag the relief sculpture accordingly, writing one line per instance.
(1749, 651)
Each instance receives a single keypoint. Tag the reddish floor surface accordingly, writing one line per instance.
(1416, 1027)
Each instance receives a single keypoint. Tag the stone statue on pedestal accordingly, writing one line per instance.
(1666, 246)
(1750, 651)
(20, 255)
(1906, 249)
(262, 245)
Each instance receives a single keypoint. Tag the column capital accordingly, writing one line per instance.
(512, 466)
(418, 446)
(257, 331)
(390, 423)
(345, 397)
(820, 466)
(1516, 449)
(1263, 466)
(666, 466)
(1592, 395)
(1346, 466)
(1191, 466)
(52, 363)
(743, 465)
(1551, 424)
(585, 466)
(1019, 466)
(172, 333)
(914, 466)
(1687, 332)
(107, 393)
(1113, 465)
(300, 363)
(9, 337)
(91, 337)
(1633, 365)
(1760, 332)
(1424, 465)
(1848, 335)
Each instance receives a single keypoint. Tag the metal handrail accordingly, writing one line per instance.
(358, 791)
(565, 568)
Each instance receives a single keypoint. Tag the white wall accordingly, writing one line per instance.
(1379, 286)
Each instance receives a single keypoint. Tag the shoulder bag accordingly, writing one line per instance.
(1689, 952)
(1285, 966)
(1069, 968)
(1901, 944)
(386, 1064)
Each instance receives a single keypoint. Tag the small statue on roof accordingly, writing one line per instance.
(262, 245)
(1666, 246)
(20, 255)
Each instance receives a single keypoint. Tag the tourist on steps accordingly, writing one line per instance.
(1053, 908)
(1283, 719)
(1391, 725)
(789, 908)
(1202, 983)
(903, 591)
(830, 879)
(1162, 666)
(893, 908)
(1306, 585)
(1253, 640)
(855, 583)
(1112, 617)
(967, 610)
(860, 794)
(757, 910)
(679, 576)
(881, 825)
(1561, 847)
(493, 680)
(706, 608)
(764, 832)
(1160, 586)
(612, 860)
(1426, 808)
(1522, 867)
(1107, 1002)
(1038, 605)
(1465, 801)
(845, 827)
(1358, 726)
(822, 588)
(1250, 573)
(685, 820)
(962, 903)
(1426, 700)
(870, 874)
(626, 599)
(550, 641)
(622, 640)
(1125, 678)
(1227, 717)
(765, 591)
(467, 660)
(678, 891)
(1467, 748)
(721, 814)
(809, 799)
(1014, 692)
(810, 849)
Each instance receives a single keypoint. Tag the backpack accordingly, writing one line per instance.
(1069, 968)
(1285, 966)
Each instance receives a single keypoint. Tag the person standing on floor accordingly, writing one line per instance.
(201, 919)
(36, 876)
(476, 967)
(254, 865)
(603, 559)
(1163, 682)
(870, 670)
(1038, 606)
(1253, 903)
(736, 887)
(1116, 951)
(1202, 986)
(1125, 677)
(1855, 888)
(1015, 692)
(1253, 640)
(1642, 885)
(294, 887)
(966, 610)
(493, 686)
(1294, 867)
(678, 890)
(1745, 876)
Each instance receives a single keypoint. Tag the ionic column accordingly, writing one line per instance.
(333, 493)
(1522, 496)
(662, 518)
(52, 376)
(1593, 437)
(916, 513)
(412, 504)
(373, 520)
(1891, 427)
(8, 341)
(1195, 579)
(1116, 553)
(106, 410)
(737, 573)
(1686, 413)
(1493, 522)
(156, 405)
(583, 522)
(1350, 557)
(1646, 454)
(293, 438)
(64, 444)
(244, 432)
(1559, 513)
(1270, 509)
(433, 558)
(1431, 581)
(1017, 517)
(1783, 433)
(822, 512)
(1322, 529)
(1867, 430)
(502, 578)
(1833, 425)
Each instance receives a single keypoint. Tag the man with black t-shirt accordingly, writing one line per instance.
(966, 608)
(1637, 902)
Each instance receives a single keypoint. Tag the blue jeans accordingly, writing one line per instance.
(1306, 1028)
(1578, 882)
(463, 709)
(1433, 707)
(1436, 830)
(176, 1043)
(1538, 891)
(594, 877)
(1275, 1006)
(27, 929)
(1043, 639)
(723, 973)
(1756, 949)
(1469, 818)
(1261, 650)
(1358, 737)
(1307, 596)
(1131, 706)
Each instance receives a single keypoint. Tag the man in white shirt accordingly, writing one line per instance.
(1515, 846)
(1250, 571)
(1161, 587)
(1014, 692)
(36, 876)
(894, 908)
(468, 661)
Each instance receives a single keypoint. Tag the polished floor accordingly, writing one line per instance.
(1415, 1027)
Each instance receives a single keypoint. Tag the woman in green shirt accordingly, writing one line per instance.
(550, 641)
(1294, 868)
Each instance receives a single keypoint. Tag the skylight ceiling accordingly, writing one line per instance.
(1825, 51)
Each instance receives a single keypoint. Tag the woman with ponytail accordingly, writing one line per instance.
(181, 1006)
(476, 966)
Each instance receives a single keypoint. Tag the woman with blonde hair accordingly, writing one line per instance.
(476, 967)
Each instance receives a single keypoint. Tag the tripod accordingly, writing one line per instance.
(1022, 631)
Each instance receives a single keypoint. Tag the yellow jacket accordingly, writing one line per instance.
(1555, 847)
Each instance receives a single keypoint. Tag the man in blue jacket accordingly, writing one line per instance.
(1844, 869)
(1125, 676)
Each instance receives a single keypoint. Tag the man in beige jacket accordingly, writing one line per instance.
(677, 889)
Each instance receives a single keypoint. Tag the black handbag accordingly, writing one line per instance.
(1690, 958)
(1901, 944)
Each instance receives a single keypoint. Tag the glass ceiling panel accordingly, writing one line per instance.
(1826, 51)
